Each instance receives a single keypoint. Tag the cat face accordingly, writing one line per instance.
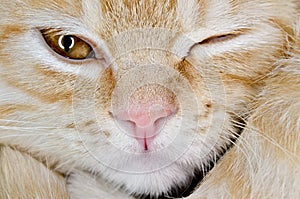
(144, 94)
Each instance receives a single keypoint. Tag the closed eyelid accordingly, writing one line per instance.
(218, 38)
(224, 36)
(187, 42)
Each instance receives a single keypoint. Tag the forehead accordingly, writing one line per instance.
(121, 15)
(114, 16)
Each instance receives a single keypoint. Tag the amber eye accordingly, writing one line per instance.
(68, 46)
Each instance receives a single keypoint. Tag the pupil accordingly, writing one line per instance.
(67, 42)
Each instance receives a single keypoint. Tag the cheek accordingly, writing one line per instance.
(249, 64)
(24, 67)
(104, 91)
(240, 95)
(46, 85)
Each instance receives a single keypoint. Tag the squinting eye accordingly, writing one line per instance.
(218, 38)
(68, 46)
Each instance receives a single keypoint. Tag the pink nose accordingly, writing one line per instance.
(143, 122)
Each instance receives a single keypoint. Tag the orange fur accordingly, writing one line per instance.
(217, 62)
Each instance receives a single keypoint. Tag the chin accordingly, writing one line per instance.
(172, 165)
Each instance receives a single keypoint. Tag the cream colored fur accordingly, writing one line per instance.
(265, 161)
(24, 177)
(56, 122)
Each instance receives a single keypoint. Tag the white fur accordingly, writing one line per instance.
(100, 164)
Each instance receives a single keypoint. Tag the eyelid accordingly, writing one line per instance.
(225, 36)
(218, 38)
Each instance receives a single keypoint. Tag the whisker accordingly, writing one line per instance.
(276, 144)
(256, 132)
(243, 147)
(30, 128)
(21, 135)
(17, 121)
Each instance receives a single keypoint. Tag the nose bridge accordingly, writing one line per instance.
(151, 95)
(151, 102)
(150, 98)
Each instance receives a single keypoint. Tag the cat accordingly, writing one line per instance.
(149, 99)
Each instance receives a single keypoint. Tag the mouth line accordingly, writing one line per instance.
(199, 174)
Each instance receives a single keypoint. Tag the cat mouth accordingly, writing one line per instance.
(198, 174)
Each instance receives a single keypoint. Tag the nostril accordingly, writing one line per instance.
(130, 122)
(145, 123)
(160, 122)
(127, 126)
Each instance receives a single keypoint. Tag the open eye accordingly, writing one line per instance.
(218, 38)
(68, 46)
